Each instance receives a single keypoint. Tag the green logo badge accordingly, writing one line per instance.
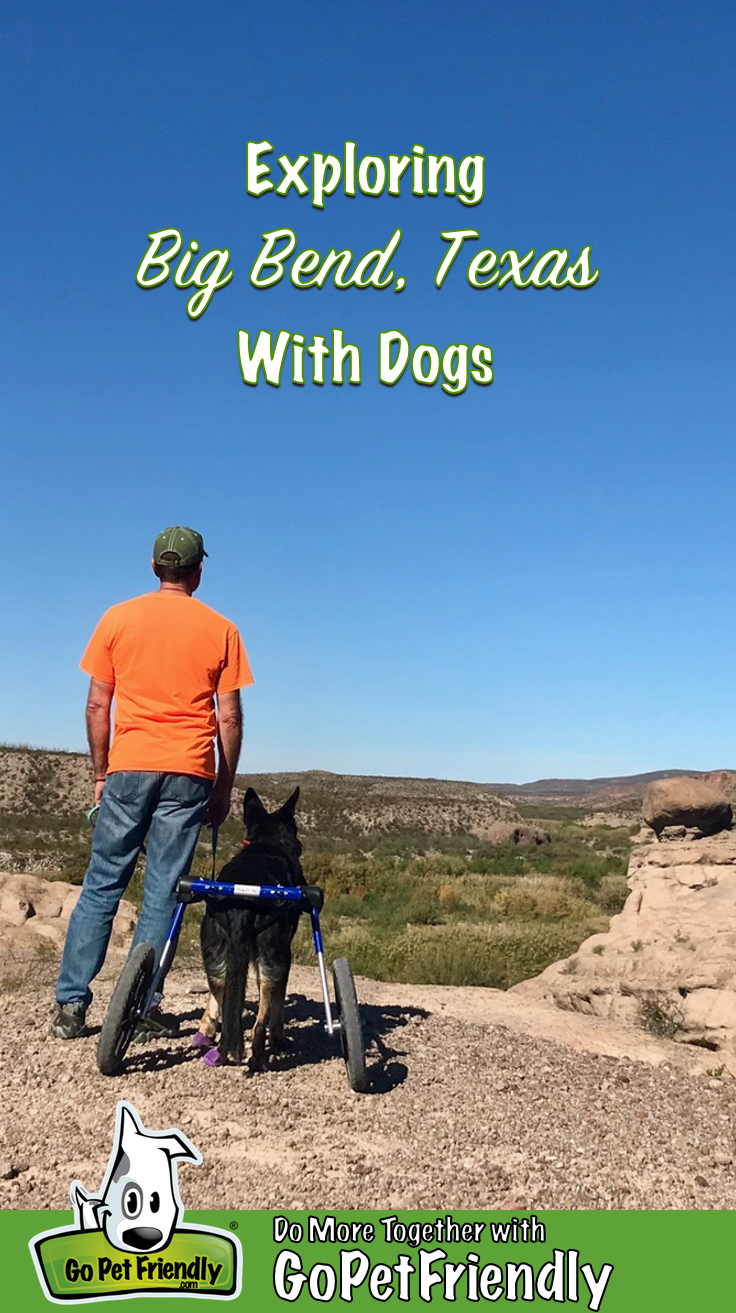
(128, 1240)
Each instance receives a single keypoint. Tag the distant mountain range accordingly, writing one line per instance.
(613, 788)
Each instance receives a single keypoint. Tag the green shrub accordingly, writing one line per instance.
(659, 1016)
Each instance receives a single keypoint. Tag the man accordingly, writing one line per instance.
(175, 669)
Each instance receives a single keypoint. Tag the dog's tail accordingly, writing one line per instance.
(236, 973)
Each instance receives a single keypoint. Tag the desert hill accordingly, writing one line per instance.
(35, 782)
(58, 783)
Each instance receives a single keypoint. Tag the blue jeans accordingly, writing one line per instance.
(170, 809)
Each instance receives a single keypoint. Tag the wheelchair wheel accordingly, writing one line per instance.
(124, 1012)
(351, 1030)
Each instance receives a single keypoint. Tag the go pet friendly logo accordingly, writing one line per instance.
(126, 1241)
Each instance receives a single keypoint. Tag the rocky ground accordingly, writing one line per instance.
(469, 1107)
(551, 1096)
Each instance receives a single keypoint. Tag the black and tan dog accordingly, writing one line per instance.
(235, 934)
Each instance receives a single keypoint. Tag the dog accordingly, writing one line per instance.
(235, 934)
(138, 1205)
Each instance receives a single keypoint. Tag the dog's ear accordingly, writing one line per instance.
(253, 809)
(289, 807)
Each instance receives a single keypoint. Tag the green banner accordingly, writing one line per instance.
(616, 1261)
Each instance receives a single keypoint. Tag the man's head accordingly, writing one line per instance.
(177, 557)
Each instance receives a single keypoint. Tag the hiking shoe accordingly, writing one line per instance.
(67, 1021)
(155, 1026)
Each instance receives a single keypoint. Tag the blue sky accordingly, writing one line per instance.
(529, 579)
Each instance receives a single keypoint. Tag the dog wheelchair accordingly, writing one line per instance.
(141, 977)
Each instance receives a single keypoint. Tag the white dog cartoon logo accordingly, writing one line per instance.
(138, 1205)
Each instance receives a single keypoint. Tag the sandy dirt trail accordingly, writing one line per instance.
(477, 1100)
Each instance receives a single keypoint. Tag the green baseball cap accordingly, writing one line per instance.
(179, 547)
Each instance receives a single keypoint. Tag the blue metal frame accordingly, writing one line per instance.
(224, 889)
(189, 890)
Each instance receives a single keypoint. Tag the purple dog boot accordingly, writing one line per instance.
(201, 1041)
(212, 1058)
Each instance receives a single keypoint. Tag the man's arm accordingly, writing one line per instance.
(229, 740)
(99, 701)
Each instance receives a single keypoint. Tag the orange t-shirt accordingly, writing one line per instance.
(167, 655)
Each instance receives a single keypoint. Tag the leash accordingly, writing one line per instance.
(214, 851)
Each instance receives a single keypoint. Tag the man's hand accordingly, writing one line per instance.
(99, 786)
(219, 803)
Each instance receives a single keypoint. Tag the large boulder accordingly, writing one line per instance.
(514, 832)
(689, 801)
